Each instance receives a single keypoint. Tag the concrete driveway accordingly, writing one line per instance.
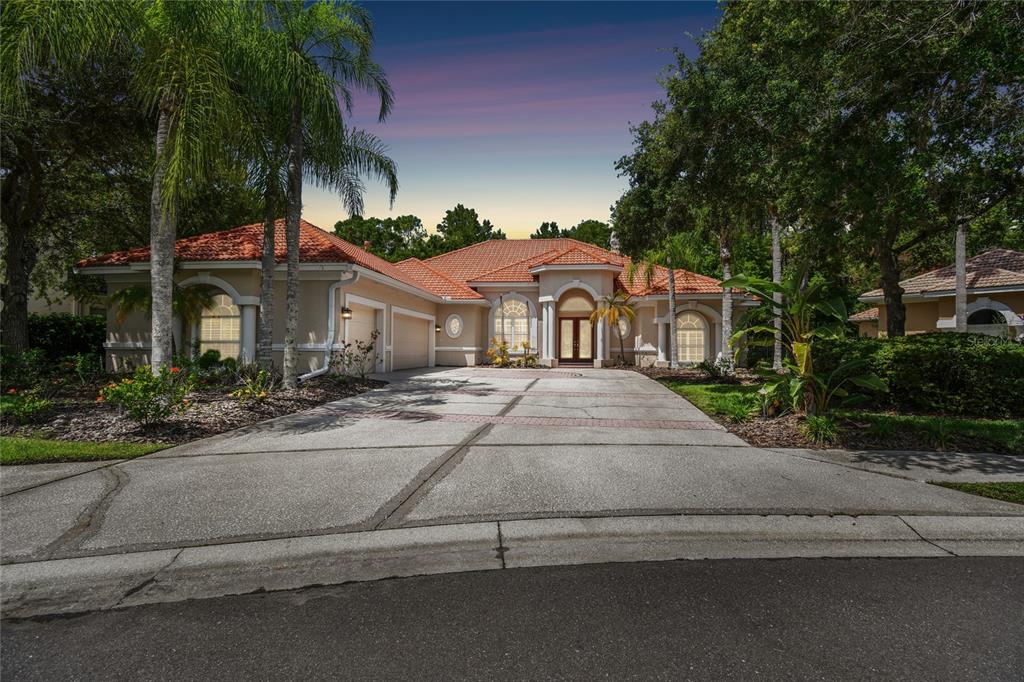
(444, 446)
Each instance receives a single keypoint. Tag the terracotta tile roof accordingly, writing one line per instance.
(245, 243)
(869, 315)
(995, 268)
(434, 281)
(497, 260)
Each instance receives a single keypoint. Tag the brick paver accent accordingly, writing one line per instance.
(411, 415)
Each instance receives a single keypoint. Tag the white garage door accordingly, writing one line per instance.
(360, 328)
(410, 342)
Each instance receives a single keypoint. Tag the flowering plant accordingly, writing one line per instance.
(148, 397)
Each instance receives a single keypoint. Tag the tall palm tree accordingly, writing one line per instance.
(320, 52)
(179, 54)
(611, 309)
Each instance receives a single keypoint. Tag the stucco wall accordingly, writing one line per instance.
(924, 316)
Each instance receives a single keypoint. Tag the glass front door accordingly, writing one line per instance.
(575, 339)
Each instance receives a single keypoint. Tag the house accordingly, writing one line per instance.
(533, 293)
(995, 298)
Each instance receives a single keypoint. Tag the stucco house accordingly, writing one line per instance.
(439, 311)
(995, 298)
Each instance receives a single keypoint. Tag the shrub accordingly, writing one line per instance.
(962, 374)
(21, 408)
(59, 335)
(256, 385)
(498, 353)
(209, 360)
(356, 358)
(148, 397)
(26, 370)
(820, 428)
(738, 408)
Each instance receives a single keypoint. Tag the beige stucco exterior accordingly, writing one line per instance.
(412, 326)
(938, 313)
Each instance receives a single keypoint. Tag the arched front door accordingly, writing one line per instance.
(575, 332)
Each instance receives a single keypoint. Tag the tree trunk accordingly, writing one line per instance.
(895, 311)
(293, 213)
(726, 253)
(162, 228)
(21, 208)
(961, 278)
(265, 346)
(672, 329)
(777, 296)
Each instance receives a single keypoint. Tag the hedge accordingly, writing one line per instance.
(61, 334)
(960, 374)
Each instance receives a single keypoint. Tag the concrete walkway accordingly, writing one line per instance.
(461, 446)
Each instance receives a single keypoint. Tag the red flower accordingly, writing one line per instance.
(99, 399)
(12, 391)
(175, 370)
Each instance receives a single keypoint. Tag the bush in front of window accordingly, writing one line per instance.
(498, 353)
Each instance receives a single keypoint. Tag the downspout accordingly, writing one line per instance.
(329, 341)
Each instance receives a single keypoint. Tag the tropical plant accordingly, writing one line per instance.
(498, 353)
(187, 303)
(21, 408)
(357, 358)
(807, 314)
(310, 56)
(612, 309)
(256, 386)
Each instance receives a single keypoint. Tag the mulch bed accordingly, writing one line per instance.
(77, 415)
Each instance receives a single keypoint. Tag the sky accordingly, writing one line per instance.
(516, 109)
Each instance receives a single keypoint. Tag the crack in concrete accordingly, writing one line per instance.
(150, 580)
(90, 520)
(924, 539)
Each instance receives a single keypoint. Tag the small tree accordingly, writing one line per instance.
(612, 309)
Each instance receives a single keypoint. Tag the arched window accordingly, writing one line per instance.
(220, 328)
(986, 316)
(690, 331)
(512, 322)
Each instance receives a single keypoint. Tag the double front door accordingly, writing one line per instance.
(575, 339)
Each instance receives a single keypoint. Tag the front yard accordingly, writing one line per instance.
(735, 405)
(17, 450)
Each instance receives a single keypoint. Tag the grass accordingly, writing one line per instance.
(944, 432)
(16, 450)
(1005, 491)
(734, 402)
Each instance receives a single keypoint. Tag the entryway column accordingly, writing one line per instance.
(547, 312)
(600, 342)
(248, 324)
(662, 342)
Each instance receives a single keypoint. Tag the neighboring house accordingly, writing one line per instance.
(38, 305)
(440, 311)
(995, 298)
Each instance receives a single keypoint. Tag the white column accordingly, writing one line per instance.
(545, 343)
(662, 342)
(248, 323)
(600, 341)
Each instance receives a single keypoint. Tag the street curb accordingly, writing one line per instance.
(119, 580)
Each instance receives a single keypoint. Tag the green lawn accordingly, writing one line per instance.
(15, 450)
(1005, 491)
(731, 401)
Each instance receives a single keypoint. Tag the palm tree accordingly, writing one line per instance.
(188, 303)
(679, 250)
(320, 50)
(180, 54)
(612, 309)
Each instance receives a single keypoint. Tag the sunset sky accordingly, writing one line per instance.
(518, 110)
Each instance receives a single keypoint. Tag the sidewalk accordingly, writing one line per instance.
(121, 580)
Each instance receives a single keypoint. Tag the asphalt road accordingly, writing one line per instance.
(934, 619)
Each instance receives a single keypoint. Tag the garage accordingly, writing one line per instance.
(359, 330)
(411, 341)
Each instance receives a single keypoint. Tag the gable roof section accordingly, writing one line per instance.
(432, 280)
(991, 269)
(686, 283)
(869, 315)
(245, 243)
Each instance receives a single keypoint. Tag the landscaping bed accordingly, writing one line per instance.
(733, 405)
(77, 416)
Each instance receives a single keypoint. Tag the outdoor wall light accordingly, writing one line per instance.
(346, 313)
(437, 329)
